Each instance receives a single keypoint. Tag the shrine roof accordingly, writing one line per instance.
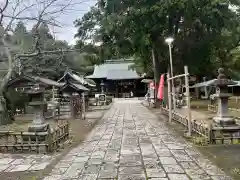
(211, 83)
(81, 87)
(33, 79)
(122, 74)
(47, 81)
(115, 69)
(73, 87)
(78, 79)
(203, 84)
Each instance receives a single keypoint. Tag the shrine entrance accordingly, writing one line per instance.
(124, 88)
(72, 101)
(71, 106)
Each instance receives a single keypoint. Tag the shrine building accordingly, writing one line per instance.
(117, 79)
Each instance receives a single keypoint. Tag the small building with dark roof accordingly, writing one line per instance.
(26, 81)
(118, 78)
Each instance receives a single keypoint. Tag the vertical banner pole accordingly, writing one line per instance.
(155, 77)
(169, 98)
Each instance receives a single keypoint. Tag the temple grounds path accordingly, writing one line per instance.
(130, 143)
(32, 166)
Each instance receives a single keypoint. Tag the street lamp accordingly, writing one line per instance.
(169, 42)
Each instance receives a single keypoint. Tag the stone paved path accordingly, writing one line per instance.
(21, 162)
(130, 143)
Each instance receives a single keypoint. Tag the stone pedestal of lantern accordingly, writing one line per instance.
(223, 118)
(38, 104)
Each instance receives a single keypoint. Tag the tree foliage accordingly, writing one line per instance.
(34, 52)
(206, 33)
(80, 58)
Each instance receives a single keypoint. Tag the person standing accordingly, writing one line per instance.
(131, 94)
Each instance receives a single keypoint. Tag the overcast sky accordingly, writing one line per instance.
(68, 30)
(66, 18)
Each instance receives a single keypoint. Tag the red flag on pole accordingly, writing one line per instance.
(161, 88)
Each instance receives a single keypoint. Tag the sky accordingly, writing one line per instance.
(65, 18)
(68, 30)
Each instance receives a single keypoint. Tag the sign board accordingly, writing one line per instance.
(102, 98)
(125, 83)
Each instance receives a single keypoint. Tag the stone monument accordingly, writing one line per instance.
(221, 83)
(37, 102)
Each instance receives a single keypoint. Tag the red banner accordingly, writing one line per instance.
(161, 88)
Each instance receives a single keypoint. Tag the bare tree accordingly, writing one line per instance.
(33, 12)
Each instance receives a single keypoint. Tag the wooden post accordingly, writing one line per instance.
(188, 100)
(134, 86)
(210, 133)
(53, 93)
(169, 98)
(197, 93)
(72, 106)
(83, 106)
(53, 100)
(49, 140)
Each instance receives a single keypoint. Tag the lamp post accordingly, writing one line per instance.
(169, 42)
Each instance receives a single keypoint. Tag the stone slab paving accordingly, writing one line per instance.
(26, 162)
(130, 143)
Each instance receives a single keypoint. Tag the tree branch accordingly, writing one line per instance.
(16, 16)
(2, 10)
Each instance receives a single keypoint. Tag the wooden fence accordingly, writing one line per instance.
(213, 135)
(48, 141)
(213, 108)
(197, 126)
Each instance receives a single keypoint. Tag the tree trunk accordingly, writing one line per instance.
(4, 114)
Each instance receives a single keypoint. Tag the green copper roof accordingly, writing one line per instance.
(122, 74)
(118, 69)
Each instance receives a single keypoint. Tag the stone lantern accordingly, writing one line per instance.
(36, 95)
(221, 83)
